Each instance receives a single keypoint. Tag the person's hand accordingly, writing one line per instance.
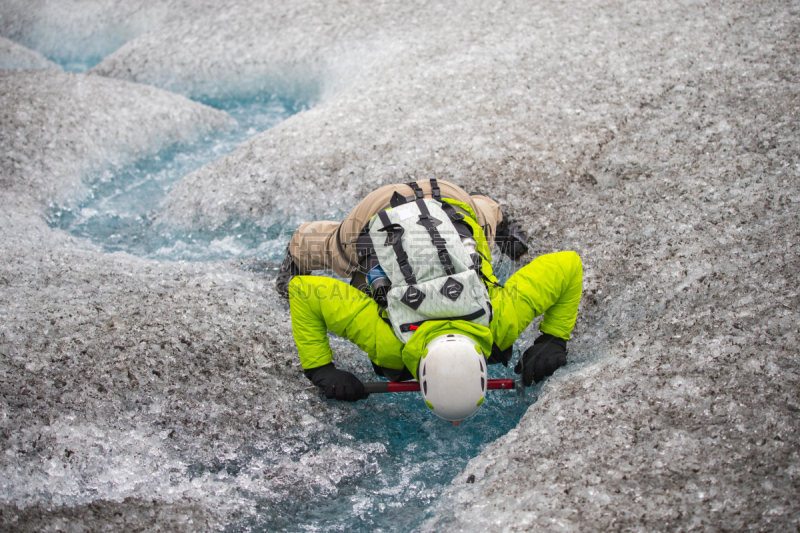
(336, 383)
(545, 356)
(500, 356)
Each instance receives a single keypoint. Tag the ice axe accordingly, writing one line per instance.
(380, 387)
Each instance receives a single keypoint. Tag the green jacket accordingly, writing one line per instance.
(550, 284)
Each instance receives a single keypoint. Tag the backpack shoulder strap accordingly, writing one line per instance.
(394, 233)
(430, 223)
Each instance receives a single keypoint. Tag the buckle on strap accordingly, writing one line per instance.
(393, 239)
(393, 234)
(417, 190)
(436, 193)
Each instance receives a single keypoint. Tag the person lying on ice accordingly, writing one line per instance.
(423, 302)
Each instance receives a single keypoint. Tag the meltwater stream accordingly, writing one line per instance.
(119, 210)
(410, 455)
(413, 455)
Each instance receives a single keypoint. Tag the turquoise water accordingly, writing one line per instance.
(415, 457)
(79, 65)
(411, 456)
(120, 210)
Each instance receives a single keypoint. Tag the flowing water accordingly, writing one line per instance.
(119, 210)
(409, 456)
(414, 457)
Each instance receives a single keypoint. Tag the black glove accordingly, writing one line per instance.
(337, 383)
(499, 356)
(547, 355)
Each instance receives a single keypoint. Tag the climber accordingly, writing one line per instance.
(423, 302)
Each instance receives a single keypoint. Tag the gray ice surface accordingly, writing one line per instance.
(13, 55)
(77, 31)
(59, 126)
(120, 375)
(302, 50)
(657, 139)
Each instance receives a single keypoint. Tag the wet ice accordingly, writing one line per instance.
(120, 208)
(309, 475)
(403, 460)
(13, 56)
(658, 139)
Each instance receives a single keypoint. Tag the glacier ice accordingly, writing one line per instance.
(303, 50)
(77, 34)
(120, 205)
(59, 126)
(13, 55)
(657, 139)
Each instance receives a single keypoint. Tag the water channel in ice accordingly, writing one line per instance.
(411, 456)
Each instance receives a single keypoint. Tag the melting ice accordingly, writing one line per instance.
(376, 465)
(120, 210)
(411, 456)
(382, 463)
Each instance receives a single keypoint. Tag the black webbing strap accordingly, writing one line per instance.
(477, 257)
(364, 245)
(417, 190)
(455, 215)
(476, 261)
(394, 234)
(384, 316)
(457, 218)
(430, 223)
(435, 192)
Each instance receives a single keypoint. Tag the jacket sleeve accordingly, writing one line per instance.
(551, 284)
(319, 304)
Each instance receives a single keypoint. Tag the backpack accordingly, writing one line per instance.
(434, 275)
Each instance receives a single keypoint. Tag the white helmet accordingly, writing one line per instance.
(452, 377)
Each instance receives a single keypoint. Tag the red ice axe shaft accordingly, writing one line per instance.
(378, 387)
